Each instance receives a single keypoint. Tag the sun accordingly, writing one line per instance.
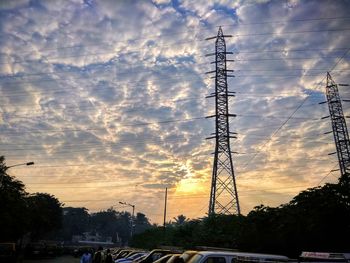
(190, 183)
(186, 186)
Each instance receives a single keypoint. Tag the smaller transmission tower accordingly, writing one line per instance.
(340, 130)
(223, 194)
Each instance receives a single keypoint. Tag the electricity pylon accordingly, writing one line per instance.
(340, 130)
(223, 194)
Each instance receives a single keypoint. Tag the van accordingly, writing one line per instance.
(234, 257)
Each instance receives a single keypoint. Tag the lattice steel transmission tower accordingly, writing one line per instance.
(340, 130)
(223, 195)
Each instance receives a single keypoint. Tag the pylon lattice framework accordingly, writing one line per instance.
(340, 131)
(223, 195)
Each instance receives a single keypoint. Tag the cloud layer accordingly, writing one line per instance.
(108, 98)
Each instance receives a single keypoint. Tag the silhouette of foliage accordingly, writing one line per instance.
(317, 219)
(21, 213)
(45, 214)
(13, 218)
(75, 221)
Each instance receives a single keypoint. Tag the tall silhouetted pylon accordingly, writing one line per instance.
(340, 130)
(223, 194)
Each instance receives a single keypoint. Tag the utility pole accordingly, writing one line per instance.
(339, 128)
(165, 203)
(223, 194)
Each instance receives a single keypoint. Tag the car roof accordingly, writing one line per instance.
(160, 250)
(243, 254)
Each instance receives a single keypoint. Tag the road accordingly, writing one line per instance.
(63, 259)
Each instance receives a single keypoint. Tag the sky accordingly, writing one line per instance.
(108, 99)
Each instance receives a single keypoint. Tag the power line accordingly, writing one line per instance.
(285, 59)
(182, 32)
(88, 181)
(124, 125)
(292, 50)
(159, 122)
(22, 75)
(292, 32)
(196, 195)
(299, 106)
(289, 21)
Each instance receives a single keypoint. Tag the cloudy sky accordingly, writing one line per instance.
(108, 98)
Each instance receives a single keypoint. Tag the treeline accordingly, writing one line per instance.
(31, 217)
(24, 215)
(108, 223)
(317, 219)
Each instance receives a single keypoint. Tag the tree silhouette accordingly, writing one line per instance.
(13, 208)
(180, 219)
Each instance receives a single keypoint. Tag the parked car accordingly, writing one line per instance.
(186, 256)
(234, 257)
(155, 254)
(164, 259)
(122, 253)
(140, 259)
(174, 258)
(131, 257)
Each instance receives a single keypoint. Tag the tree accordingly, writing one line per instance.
(13, 208)
(21, 213)
(141, 223)
(180, 219)
(45, 214)
(123, 225)
(112, 223)
(76, 221)
(322, 217)
(316, 219)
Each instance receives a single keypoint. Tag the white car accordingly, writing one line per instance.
(234, 257)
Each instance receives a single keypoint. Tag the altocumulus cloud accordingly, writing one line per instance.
(108, 98)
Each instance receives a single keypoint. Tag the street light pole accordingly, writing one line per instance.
(20, 164)
(132, 217)
(8, 167)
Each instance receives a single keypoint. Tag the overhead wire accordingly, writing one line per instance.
(293, 113)
(186, 31)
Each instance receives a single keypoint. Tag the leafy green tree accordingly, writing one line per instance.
(219, 231)
(76, 221)
(141, 223)
(13, 208)
(317, 219)
(322, 217)
(123, 226)
(112, 223)
(45, 214)
(21, 213)
(149, 239)
(180, 220)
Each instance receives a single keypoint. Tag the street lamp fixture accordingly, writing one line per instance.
(132, 217)
(20, 164)
(7, 167)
